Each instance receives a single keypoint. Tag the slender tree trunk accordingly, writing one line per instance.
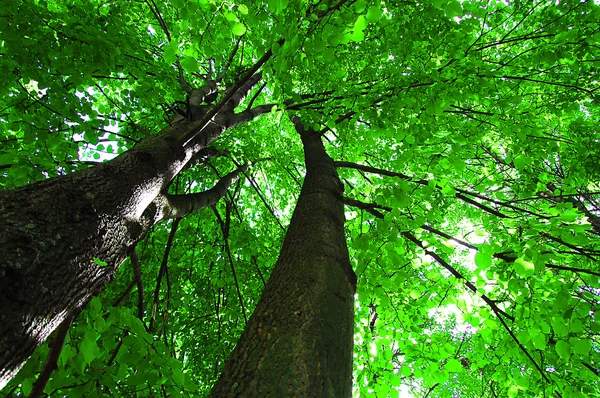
(299, 340)
(62, 239)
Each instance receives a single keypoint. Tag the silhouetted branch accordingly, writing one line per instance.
(162, 271)
(421, 182)
(52, 359)
(137, 272)
(225, 231)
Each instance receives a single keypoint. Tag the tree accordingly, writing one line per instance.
(299, 339)
(465, 135)
(58, 257)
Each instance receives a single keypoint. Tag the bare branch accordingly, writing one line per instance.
(52, 359)
(421, 182)
(225, 232)
(457, 275)
(199, 126)
(162, 271)
(137, 272)
(229, 61)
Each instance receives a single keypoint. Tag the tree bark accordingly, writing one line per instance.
(62, 239)
(299, 340)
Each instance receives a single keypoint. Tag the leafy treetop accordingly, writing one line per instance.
(467, 141)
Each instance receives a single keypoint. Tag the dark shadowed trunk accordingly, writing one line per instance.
(62, 239)
(299, 340)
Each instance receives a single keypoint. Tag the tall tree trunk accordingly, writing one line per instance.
(299, 340)
(62, 239)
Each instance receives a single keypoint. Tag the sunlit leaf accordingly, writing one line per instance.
(523, 267)
(374, 14)
(238, 29)
(483, 260)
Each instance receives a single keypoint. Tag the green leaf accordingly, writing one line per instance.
(563, 349)
(361, 23)
(523, 267)
(374, 14)
(453, 365)
(27, 386)
(238, 29)
(170, 52)
(521, 161)
(483, 260)
(580, 346)
(449, 190)
(360, 5)
(559, 326)
(100, 262)
(357, 36)
(454, 8)
(88, 347)
(178, 377)
(523, 382)
(523, 336)
(230, 16)
(243, 9)
(539, 341)
(95, 306)
(576, 326)
(189, 64)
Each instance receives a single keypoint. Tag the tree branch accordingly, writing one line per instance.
(124, 293)
(198, 95)
(225, 231)
(229, 61)
(241, 93)
(52, 359)
(199, 126)
(137, 272)
(247, 115)
(178, 206)
(255, 96)
(421, 182)
(263, 200)
(368, 207)
(456, 274)
(162, 271)
(591, 368)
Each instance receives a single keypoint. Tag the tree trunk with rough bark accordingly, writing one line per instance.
(62, 239)
(299, 340)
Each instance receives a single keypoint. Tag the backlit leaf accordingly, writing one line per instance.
(523, 267)
(238, 29)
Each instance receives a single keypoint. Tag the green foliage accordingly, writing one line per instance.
(99, 262)
(238, 29)
(490, 111)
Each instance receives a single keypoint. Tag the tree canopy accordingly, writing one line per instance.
(466, 136)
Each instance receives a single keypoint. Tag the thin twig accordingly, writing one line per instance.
(225, 232)
(161, 272)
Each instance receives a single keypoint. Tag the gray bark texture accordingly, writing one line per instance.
(298, 342)
(56, 235)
